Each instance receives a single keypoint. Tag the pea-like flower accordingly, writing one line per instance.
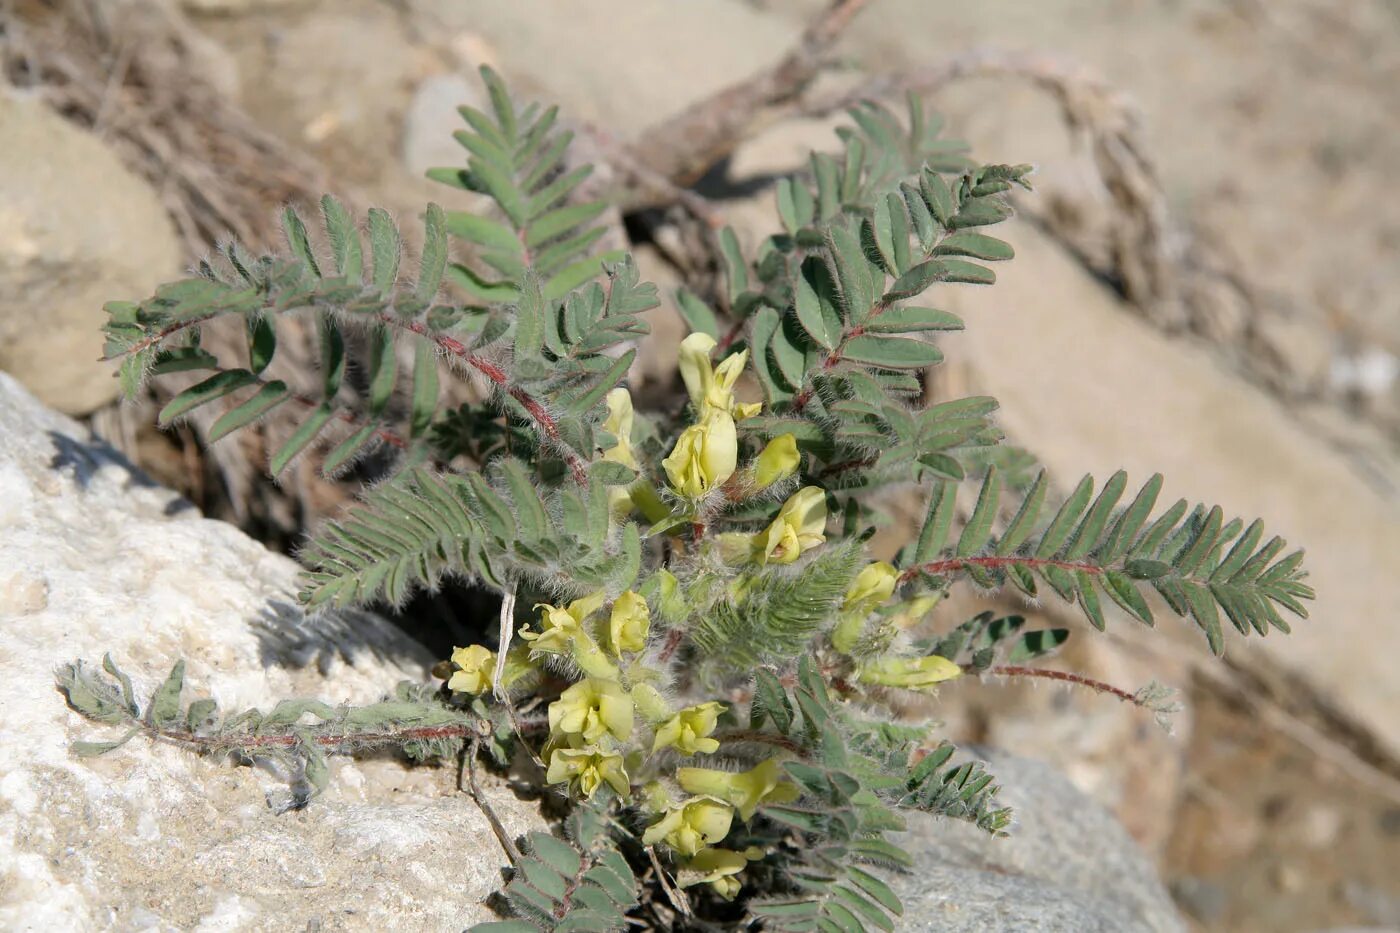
(619, 425)
(587, 769)
(871, 587)
(777, 461)
(560, 625)
(799, 527)
(592, 708)
(718, 868)
(689, 730)
(910, 673)
(476, 665)
(690, 827)
(744, 790)
(704, 457)
(629, 623)
(711, 388)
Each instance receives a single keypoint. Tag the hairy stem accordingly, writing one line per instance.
(954, 564)
(211, 743)
(1098, 686)
(761, 738)
(541, 416)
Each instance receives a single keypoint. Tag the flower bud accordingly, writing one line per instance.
(619, 425)
(910, 673)
(629, 623)
(650, 703)
(744, 790)
(778, 460)
(871, 587)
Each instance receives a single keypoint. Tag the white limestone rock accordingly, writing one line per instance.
(96, 558)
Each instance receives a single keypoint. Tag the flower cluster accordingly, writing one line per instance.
(594, 739)
(612, 726)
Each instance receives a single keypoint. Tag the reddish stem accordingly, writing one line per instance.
(995, 563)
(491, 371)
(1098, 686)
(160, 335)
(728, 339)
(673, 641)
(845, 465)
(537, 411)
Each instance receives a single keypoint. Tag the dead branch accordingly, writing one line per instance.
(682, 148)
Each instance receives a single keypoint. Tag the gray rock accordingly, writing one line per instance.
(1089, 388)
(77, 229)
(97, 558)
(238, 7)
(432, 118)
(622, 64)
(1067, 866)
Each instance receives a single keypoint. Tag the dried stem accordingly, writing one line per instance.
(467, 764)
(675, 895)
(685, 146)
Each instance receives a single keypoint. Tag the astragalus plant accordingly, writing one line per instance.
(695, 646)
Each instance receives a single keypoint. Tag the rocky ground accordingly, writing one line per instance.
(1260, 373)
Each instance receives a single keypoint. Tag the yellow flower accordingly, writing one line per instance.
(699, 822)
(718, 868)
(777, 461)
(629, 623)
(689, 730)
(911, 613)
(592, 708)
(704, 457)
(872, 586)
(712, 388)
(561, 625)
(800, 526)
(587, 769)
(910, 673)
(475, 667)
(745, 790)
(619, 425)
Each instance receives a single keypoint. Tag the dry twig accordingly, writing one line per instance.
(682, 148)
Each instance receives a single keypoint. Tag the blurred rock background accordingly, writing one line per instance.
(1206, 284)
